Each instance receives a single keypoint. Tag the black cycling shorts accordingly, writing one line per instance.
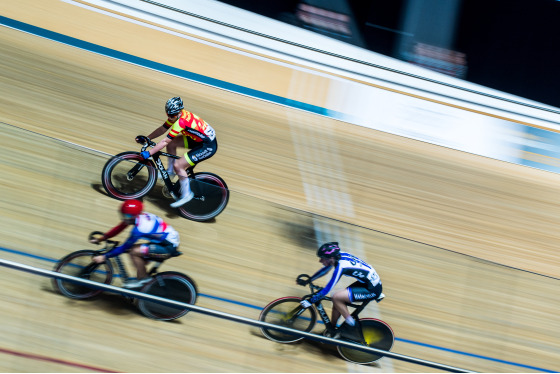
(201, 151)
(160, 251)
(359, 291)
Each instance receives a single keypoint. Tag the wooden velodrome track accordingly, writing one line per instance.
(466, 246)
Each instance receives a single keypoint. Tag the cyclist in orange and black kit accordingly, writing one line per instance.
(198, 136)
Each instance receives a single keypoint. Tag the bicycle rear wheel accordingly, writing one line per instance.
(80, 265)
(211, 197)
(287, 312)
(377, 334)
(127, 176)
(170, 285)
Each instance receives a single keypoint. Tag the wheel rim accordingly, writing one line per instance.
(120, 184)
(81, 266)
(281, 313)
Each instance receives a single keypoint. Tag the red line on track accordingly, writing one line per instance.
(54, 360)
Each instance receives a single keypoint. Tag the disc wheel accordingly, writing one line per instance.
(377, 334)
(169, 285)
(211, 197)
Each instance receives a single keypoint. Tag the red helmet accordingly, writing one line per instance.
(131, 208)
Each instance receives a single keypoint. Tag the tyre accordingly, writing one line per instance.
(211, 197)
(169, 285)
(377, 334)
(287, 312)
(127, 176)
(80, 265)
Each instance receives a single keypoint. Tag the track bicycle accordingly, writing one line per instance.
(168, 284)
(288, 312)
(128, 176)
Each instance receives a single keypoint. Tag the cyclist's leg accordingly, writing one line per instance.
(340, 301)
(200, 151)
(172, 149)
(137, 255)
(355, 292)
(142, 253)
(191, 158)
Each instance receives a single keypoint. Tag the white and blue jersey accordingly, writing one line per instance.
(350, 266)
(147, 226)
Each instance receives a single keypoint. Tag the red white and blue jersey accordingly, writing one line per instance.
(350, 266)
(147, 226)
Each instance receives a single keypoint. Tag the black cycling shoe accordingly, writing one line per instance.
(353, 333)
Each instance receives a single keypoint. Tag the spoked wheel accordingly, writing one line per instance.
(377, 334)
(211, 197)
(80, 265)
(169, 285)
(128, 176)
(287, 312)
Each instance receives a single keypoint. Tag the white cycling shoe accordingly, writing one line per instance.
(183, 200)
(136, 283)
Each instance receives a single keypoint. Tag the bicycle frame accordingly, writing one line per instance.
(173, 188)
(358, 308)
(121, 269)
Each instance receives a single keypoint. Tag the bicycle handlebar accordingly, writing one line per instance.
(305, 280)
(145, 141)
(141, 139)
(109, 243)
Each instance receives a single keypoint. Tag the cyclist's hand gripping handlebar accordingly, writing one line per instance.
(96, 236)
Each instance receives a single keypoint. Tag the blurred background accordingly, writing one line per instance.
(374, 124)
(507, 45)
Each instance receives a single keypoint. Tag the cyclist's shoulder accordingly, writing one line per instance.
(146, 218)
(350, 259)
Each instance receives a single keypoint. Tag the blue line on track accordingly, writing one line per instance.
(68, 40)
(34, 30)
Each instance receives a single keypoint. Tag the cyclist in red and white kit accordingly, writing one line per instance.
(198, 136)
(163, 240)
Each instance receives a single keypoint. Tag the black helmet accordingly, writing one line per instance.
(174, 106)
(329, 250)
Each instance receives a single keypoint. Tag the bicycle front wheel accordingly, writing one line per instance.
(287, 312)
(127, 176)
(169, 285)
(80, 265)
(377, 334)
(210, 199)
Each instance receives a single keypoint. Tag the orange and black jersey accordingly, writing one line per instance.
(189, 124)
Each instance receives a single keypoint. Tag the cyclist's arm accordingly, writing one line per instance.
(325, 291)
(324, 270)
(160, 130)
(133, 238)
(114, 231)
(159, 146)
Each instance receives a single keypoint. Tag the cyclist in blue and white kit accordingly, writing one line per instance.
(163, 240)
(367, 286)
